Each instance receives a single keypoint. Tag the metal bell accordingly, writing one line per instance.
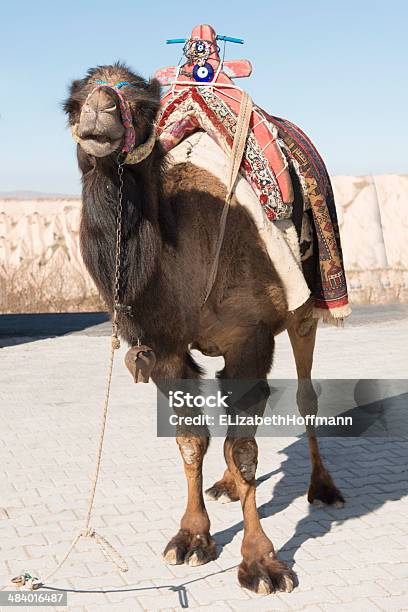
(140, 361)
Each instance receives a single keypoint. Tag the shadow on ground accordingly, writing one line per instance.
(370, 472)
(23, 328)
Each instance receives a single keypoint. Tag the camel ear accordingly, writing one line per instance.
(71, 105)
(75, 86)
(154, 88)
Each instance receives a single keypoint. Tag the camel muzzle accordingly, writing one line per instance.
(100, 130)
(106, 122)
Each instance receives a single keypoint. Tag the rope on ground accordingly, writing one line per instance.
(109, 551)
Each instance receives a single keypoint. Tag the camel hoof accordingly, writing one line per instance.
(323, 492)
(317, 503)
(326, 497)
(266, 576)
(173, 555)
(191, 549)
(197, 557)
(222, 493)
(264, 587)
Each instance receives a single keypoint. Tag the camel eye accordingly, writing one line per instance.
(111, 109)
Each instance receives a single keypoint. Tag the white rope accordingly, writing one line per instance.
(220, 65)
(267, 144)
(201, 84)
(109, 551)
(285, 167)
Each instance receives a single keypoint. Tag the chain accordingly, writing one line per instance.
(118, 254)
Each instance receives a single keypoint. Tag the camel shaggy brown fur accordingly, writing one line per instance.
(170, 227)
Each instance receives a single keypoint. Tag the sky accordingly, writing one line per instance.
(336, 68)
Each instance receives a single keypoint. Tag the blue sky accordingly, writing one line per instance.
(336, 68)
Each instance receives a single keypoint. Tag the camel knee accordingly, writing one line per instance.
(306, 327)
(306, 398)
(192, 450)
(242, 459)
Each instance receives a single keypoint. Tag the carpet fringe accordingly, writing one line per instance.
(334, 317)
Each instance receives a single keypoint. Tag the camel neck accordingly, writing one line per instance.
(141, 236)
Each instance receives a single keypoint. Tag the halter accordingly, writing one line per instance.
(134, 154)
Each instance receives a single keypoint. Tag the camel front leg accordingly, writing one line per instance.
(260, 570)
(193, 543)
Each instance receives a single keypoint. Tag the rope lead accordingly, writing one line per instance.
(25, 579)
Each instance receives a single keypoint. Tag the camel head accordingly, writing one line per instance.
(112, 109)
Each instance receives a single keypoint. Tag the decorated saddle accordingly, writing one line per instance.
(201, 95)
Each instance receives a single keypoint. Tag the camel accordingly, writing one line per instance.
(170, 216)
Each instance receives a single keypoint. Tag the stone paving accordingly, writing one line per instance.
(51, 391)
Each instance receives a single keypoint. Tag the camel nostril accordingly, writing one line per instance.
(102, 101)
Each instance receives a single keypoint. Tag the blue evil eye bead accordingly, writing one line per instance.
(203, 74)
(199, 47)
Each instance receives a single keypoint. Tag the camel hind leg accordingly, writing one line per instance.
(302, 333)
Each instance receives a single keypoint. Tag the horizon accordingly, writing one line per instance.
(335, 70)
(28, 194)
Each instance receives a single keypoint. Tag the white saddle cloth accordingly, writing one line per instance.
(280, 237)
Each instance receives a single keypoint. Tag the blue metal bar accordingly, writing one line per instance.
(177, 41)
(229, 39)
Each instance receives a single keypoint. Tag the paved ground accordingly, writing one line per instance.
(51, 392)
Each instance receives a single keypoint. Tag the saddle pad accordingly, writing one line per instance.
(201, 150)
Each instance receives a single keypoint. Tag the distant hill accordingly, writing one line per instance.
(36, 195)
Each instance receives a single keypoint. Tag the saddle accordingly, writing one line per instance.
(203, 96)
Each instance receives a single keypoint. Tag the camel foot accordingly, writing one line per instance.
(191, 549)
(223, 491)
(323, 492)
(265, 576)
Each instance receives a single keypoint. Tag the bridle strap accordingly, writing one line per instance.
(142, 151)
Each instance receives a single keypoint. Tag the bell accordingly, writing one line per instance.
(140, 361)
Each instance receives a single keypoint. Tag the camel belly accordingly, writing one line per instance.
(279, 237)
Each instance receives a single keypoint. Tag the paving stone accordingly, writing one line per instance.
(352, 559)
(358, 605)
